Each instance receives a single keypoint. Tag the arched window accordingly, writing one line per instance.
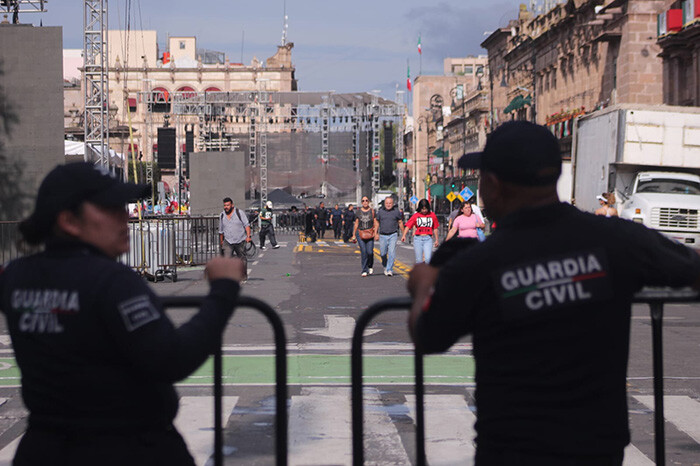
(212, 89)
(160, 100)
(187, 92)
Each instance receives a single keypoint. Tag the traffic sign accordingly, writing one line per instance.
(466, 193)
(414, 200)
(451, 196)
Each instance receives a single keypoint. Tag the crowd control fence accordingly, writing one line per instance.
(655, 298)
(280, 374)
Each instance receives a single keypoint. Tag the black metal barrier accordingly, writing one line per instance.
(280, 374)
(655, 298)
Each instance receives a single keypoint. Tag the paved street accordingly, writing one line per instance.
(318, 291)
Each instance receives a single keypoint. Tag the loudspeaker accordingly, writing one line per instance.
(166, 148)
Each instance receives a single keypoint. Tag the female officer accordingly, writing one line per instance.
(98, 355)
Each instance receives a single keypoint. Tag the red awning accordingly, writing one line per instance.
(187, 92)
(135, 149)
(161, 95)
(132, 102)
(212, 89)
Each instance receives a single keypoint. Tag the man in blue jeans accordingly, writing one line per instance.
(390, 223)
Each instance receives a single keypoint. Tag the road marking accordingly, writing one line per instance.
(195, 421)
(339, 327)
(320, 428)
(682, 411)
(449, 429)
(634, 457)
(5, 340)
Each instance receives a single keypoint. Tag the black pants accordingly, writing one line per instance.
(267, 230)
(321, 228)
(45, 447)
(501, 457)
(337, 229)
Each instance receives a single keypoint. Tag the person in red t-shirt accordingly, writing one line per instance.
(426, 235)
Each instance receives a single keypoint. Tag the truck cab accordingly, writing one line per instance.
(668, 202)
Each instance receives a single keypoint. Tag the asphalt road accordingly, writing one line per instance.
(318, 291)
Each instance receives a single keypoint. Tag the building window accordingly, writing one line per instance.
(468, 69)
(182, 45)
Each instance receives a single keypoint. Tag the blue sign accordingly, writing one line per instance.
(414, 200)
(466, 193)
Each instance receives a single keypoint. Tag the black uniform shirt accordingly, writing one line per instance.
(94, 347)
(548, 299)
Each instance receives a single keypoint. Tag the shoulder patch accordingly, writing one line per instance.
(137, 312)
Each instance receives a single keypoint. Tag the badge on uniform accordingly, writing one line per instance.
(137, 312)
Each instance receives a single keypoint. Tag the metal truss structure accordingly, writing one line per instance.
(224, 118)
(96, 86)
(23, 6)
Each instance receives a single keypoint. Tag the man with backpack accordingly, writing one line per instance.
(234, 231)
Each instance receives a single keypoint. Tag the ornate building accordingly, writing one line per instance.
(678, 35)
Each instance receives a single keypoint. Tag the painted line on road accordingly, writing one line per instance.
(195, 421)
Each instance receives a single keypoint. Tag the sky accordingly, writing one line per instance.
(343, 46)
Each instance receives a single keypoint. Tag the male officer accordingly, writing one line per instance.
(547, 300)
(98, 355)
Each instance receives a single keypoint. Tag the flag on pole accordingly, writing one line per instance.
(408, 77)
(420, 49)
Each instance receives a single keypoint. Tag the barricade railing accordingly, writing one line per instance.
(655, 298)
(356, 377)
(281, 416)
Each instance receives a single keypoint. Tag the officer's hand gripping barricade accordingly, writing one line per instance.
(654, 297)
(280, 375)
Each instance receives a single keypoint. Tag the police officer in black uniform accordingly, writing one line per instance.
(547, 300)
(98, 355)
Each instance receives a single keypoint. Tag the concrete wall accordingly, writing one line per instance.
(214, 176)
(32, 82)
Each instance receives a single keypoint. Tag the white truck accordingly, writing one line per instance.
(650, 158)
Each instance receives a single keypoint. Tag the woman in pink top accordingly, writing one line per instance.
(465, 224)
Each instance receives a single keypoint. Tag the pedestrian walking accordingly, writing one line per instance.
(466, 224)
(364, 232)
(390, 223)
(310, 224)
(321, 220)
(426, 235)
(234, 232)
(549, 280)
(337, 222)
(348, 223)
(267, 229)
(97, 353)
(607, 201)
(453, 215)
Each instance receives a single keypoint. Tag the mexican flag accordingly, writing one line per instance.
(408, 77)
(420, 49)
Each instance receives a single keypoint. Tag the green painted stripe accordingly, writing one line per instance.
(311, 369)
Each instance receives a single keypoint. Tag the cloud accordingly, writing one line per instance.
(456, 31)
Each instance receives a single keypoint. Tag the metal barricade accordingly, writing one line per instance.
(280, 374)
(655, 298)
(356, 376)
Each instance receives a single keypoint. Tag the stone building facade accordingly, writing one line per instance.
(678, 35)
(576, 57)
(442, 118)
(142, 76)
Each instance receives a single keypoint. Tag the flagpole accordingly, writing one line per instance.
(420, 56)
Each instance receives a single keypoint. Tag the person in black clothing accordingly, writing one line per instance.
(98, 355)
(348, 222)
(321, 220)
(310, 224)
(546, 283)
(337, 222)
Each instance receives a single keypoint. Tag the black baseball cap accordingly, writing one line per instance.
(519, 152)
(67, 186)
